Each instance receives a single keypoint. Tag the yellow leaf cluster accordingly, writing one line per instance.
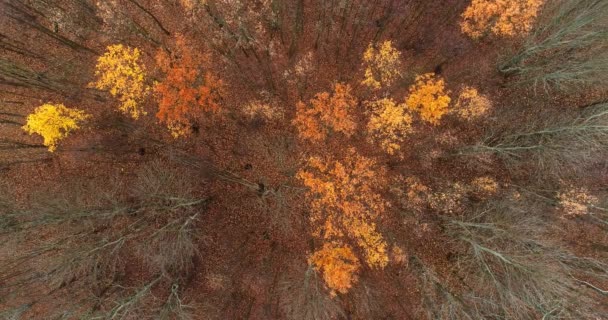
(500, 17)
(191, 4)
(120, 72)
(338, 264)
(484, 187)
(304, 65)
(178, 129)
(398, 255)
(411, 192)
(576, 202)
(382, 65)
(326, 113)
(417, 192)
(344, 203)
(389, 124)
(429, 98)
(471, 104)
(54, 122)
(415, 195)
(266, 111)
(450, 200)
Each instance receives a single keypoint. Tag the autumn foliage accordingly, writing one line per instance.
(121, 73)
(269, 159)
(575, 202)
(187, 90)
(429, 97)
(54, 122)
(382, 65)
(500, 17)
(345, 203)
(471, 104)
(338, 264)
(389, 124)
(326, 114)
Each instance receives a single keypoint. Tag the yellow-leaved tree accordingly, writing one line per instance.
(500, 17)
(382, 65)
(389, 123)
(576, 202)
(54, 122)
(338, 264)
(327, 113)
(345, 204)
(471, 104)
(429, 97)
(120, 72)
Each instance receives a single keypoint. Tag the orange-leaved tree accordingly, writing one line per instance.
(500, 17)
(389, 123)
(121, 73)
(339, 266)
(382, 65)
(54, 122)
(327, 113)
(345, 204)
(187, 90)
(429, 97)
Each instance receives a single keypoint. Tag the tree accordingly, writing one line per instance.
(89, 230)
(382, 65)
(501, 17)
(121, 73)
(513, 268)
(54, 122)
(389, 124)
(575, 202)
(303, 297)
(567, 50)
(471, 104)
(326, 114)
(344, 203)
(552, 146)
(187, 89)
(429, 97)
(338, 264)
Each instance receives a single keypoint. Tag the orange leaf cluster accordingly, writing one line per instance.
(345, 205)
(429, 97)
(325, 114)
(186, 91)
(501, 17)
(338, 264)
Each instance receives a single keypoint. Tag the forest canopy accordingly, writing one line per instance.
(314, 160)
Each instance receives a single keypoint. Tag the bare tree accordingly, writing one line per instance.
(87, 234)
(513, 272)
(552, 146)
(568, 48)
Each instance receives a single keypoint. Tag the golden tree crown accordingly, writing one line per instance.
(54, 122)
